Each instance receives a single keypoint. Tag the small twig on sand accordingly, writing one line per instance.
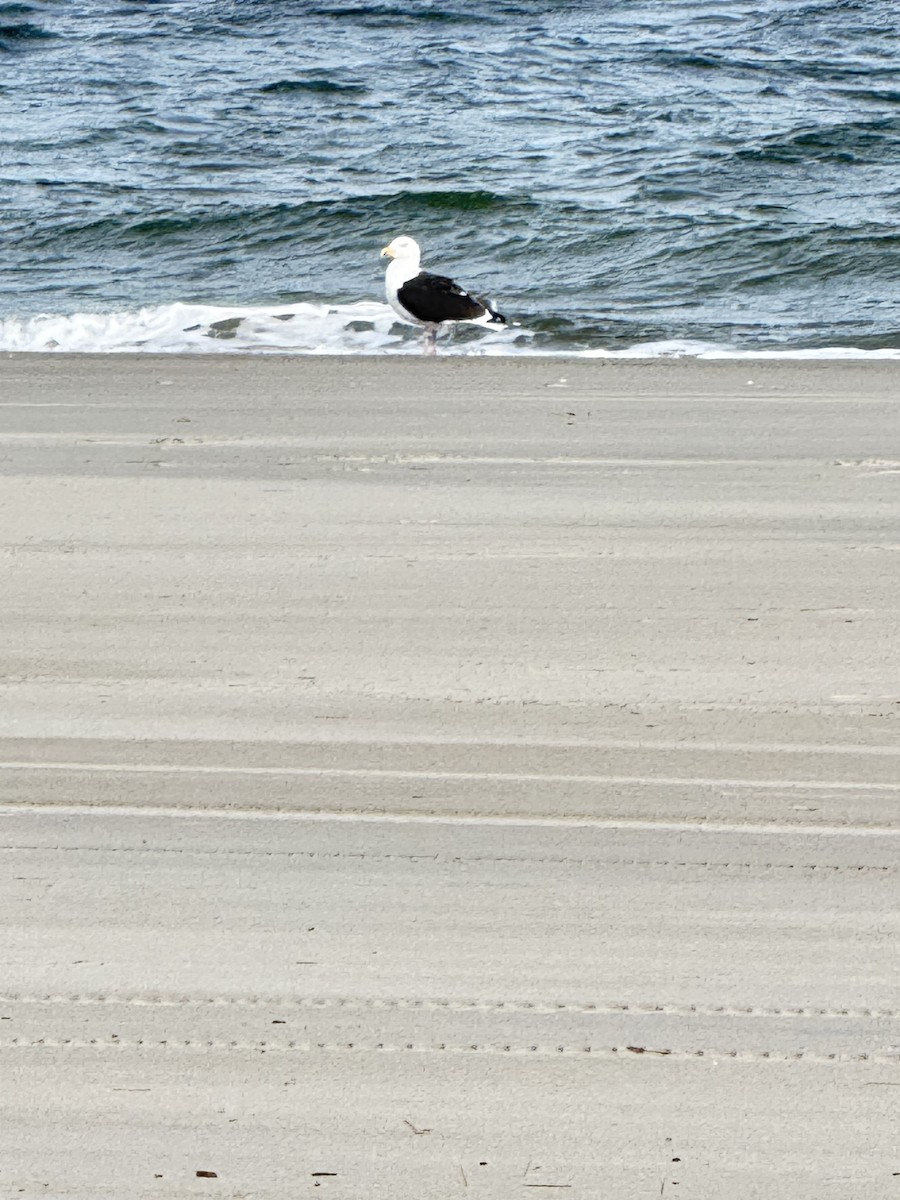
(418, 1132)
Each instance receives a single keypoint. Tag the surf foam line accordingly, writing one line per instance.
(366, 327)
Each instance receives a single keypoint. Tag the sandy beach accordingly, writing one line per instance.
(449, 778)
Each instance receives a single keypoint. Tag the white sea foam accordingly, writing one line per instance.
(362, 328)
(366, 327)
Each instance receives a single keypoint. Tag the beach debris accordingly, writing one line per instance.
(532, 1168)
(206, 1175)
(417, 1132)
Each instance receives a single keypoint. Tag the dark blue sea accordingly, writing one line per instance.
(640, 176)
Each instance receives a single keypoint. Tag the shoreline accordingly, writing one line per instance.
(369, 328)
(827, 356)
(676, 366)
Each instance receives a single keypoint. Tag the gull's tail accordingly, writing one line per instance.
(490, 315)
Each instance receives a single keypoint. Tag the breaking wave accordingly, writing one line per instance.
(363, 328)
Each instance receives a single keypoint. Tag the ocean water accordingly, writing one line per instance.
(622, 176)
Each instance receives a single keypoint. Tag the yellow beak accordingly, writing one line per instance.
(387, 252)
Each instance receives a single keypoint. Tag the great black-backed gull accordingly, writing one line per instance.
(429, 300)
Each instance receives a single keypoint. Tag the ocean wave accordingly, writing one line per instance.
(365, 328)
(304, 223)
(14, 37)
(246, 16)
(414, 11)
(845, 141)
(315, 86)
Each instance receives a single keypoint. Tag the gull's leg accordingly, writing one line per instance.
(431, 339)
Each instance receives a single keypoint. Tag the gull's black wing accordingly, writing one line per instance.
(435, 298)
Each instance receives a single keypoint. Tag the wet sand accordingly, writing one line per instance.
(409, 766)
